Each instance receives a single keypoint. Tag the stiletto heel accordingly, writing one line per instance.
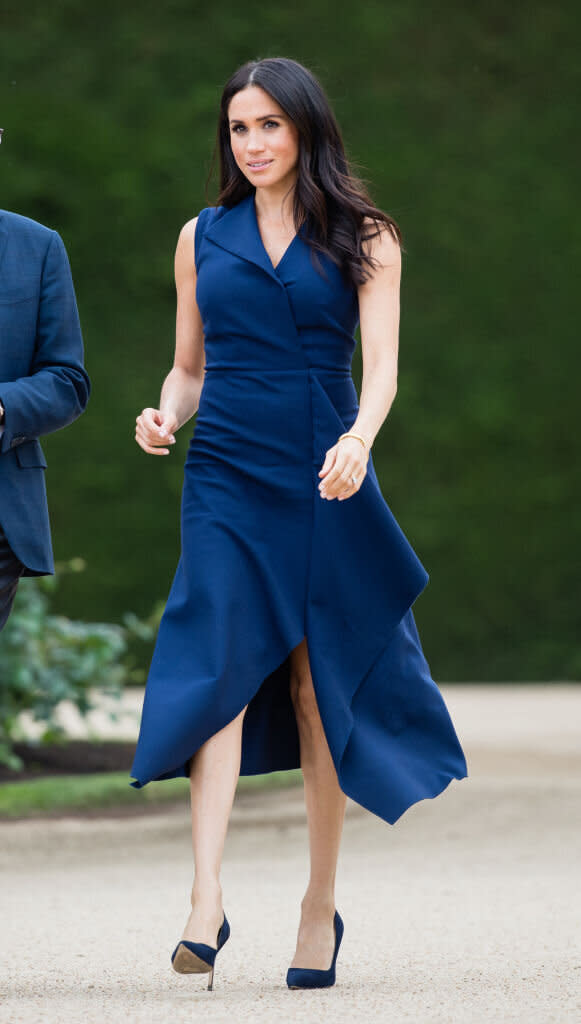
(198, 958)
(303, 977)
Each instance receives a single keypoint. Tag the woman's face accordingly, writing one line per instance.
(264, 140)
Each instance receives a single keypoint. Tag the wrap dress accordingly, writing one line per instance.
(266, 561)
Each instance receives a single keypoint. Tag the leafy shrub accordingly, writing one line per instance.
(46, 658)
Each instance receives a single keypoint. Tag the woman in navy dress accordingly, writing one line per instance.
(288, 637)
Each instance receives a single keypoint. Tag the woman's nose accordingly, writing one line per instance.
(254, 143)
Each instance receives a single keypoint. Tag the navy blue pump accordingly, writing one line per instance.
(197, 957)
(303, 977)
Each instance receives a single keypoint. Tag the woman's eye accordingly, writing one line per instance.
(237, 128)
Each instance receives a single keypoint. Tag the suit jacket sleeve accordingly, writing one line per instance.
(57, 390)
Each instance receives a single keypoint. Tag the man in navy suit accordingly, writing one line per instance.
(43, 387)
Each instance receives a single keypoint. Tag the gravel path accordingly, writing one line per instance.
(466, 911)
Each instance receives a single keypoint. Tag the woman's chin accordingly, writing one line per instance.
(266, 175)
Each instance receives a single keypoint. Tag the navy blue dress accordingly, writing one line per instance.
(266, 561)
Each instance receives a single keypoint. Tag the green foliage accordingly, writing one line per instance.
(464, 120)
(46, 659)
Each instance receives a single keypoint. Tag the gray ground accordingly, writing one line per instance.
(467, 910)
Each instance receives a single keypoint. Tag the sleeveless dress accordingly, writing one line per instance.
(265, 561)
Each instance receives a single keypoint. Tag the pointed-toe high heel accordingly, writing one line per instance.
(304, 977)
(197, 957)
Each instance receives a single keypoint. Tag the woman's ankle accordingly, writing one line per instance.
(319, 903)
(206, 891)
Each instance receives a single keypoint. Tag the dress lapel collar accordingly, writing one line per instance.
(237, 232)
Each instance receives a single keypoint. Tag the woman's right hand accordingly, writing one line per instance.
(154, 430)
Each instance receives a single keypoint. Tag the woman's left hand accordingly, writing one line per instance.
(344, 469)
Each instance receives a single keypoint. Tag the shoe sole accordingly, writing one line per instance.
(302, 988)
(186, 962)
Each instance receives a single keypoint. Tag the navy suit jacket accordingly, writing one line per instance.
(43, 383)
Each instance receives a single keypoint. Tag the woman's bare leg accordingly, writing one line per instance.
(325, 804)
(214, 772)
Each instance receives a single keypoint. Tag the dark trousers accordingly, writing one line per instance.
(11, 569)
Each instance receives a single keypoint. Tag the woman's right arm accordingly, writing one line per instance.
(180, 394)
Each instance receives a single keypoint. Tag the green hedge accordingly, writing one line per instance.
(463, 118)
(46, 659)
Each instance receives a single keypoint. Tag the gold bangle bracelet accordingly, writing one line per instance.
(349, 433)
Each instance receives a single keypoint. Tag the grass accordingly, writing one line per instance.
(77, 794)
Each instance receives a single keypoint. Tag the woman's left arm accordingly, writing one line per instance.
(379, 308)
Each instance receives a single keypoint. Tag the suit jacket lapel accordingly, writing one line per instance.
(3, 240)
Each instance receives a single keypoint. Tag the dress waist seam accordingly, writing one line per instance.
(237, 368)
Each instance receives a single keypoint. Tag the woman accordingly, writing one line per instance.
(288, 637)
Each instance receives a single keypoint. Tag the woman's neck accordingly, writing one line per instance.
(274, 203)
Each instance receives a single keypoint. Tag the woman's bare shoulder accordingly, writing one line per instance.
(382, 244)
(185, 256)
(188, 231)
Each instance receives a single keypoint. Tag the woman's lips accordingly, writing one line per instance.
(259, 165)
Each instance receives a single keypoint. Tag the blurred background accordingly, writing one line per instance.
(463, 119)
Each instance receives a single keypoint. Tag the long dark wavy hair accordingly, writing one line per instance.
(329, 198)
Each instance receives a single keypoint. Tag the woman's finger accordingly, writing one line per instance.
(329, 461)
(150, 449)
(150, 418)
(151, 442)
(150, 431)
(156, 427)
(342, 483)
(167, 426)
(352, 489)
(147, 435)
(339, 474)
